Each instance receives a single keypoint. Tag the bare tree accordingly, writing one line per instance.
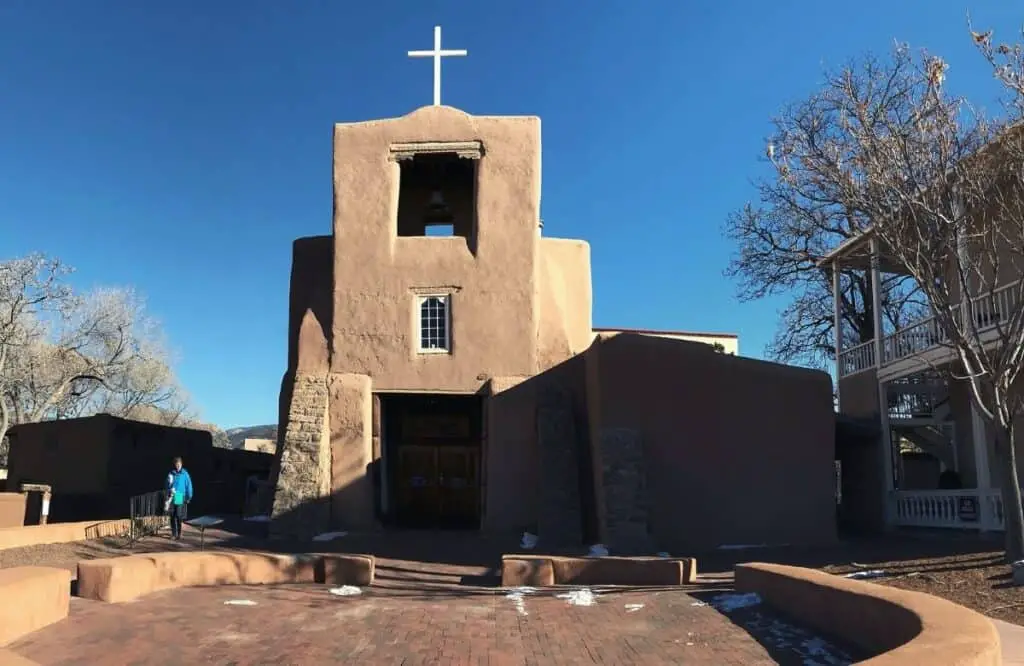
(942, 187)
(803, 213)
(63, 354)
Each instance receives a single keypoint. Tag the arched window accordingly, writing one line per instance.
(434, 324)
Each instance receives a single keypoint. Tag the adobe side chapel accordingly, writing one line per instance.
(457, 382)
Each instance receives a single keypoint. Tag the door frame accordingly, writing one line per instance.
(393, 405)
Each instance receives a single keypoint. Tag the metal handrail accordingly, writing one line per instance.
(146, 515)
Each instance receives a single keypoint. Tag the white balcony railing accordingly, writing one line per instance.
(920, 336)
(957, 509)
(857, 358)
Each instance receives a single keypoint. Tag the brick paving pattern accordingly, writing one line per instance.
(308, 625)
(433, 602)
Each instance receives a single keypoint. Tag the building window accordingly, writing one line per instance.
(435, 323)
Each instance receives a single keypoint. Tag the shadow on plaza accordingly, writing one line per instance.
(482, 551)
(785, 640)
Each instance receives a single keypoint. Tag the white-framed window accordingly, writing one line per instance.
(434, 318)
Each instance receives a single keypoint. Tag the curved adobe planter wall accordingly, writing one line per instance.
(125, 578)
(903, 628)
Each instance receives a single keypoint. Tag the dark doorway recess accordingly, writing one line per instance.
(433, 446)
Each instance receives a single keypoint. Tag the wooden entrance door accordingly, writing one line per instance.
(417, 485)
(458, 484)
(438, 486)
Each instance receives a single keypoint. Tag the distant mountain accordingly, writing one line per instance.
(236, 435)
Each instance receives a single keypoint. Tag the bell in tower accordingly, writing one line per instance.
(437, 212)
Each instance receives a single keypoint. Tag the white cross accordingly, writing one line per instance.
(437, 54)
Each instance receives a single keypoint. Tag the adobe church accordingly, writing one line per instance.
(444, 373)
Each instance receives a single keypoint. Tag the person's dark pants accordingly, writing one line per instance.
(178, 516)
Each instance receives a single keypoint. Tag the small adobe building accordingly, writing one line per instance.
(454, 380)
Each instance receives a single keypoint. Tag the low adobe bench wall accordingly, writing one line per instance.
(548, 571)
(31, 598)
(902, 627)
(12, 509)
(35, 535)
(121, 579)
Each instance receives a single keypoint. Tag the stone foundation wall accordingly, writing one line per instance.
(303, 480)
(624, 482)
(559, 522)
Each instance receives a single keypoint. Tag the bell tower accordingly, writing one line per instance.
(439, 204)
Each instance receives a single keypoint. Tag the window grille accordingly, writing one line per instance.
(434, 324)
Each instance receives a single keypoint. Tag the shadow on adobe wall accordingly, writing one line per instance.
(723, 438)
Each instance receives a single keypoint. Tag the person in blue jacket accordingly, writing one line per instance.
(179, 494)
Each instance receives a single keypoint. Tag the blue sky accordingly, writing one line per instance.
(179, 147)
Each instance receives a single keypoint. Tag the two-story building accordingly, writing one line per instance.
(443, 371)
(934, 460)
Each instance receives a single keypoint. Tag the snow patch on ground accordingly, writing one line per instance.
(518, 597)
(345, 591)
(871, 573)
(812, 650)
(329, 536)
(730, 601)
(239, 602)
(776, 633)
(579, 597)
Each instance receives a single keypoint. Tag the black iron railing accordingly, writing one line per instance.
(147, 515)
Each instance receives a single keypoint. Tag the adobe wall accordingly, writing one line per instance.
(141, 455)
(309, 304)
(730, 343)
(95, 464)
(12, 509)
(692, 442)
(70, 455)
(565, 297)
(536, 439)
(510, 455)
(858, 395)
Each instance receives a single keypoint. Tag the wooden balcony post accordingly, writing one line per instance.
(837, 307)
(883, 394)
(876, 300)
(982, 476)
